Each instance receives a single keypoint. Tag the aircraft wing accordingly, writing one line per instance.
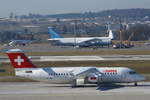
(83, 72)
(92, 42)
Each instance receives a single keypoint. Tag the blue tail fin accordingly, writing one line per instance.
(52, 33)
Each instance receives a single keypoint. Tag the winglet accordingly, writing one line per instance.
(111, 35)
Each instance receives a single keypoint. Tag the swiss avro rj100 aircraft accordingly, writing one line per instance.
(72, 75)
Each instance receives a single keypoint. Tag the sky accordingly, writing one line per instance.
(19, 7)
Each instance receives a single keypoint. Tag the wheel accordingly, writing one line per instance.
(74, 83)
(135, 84)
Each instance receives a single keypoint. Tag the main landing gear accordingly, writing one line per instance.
(135, 84)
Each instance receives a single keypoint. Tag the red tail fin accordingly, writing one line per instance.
(18, 59)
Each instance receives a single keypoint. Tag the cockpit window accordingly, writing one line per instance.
(132, 72)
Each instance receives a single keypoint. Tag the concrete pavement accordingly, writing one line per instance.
(45, 91)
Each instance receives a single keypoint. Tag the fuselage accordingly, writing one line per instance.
(67, 74)
(80, 39)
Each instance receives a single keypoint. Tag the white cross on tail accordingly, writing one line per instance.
(19, 60)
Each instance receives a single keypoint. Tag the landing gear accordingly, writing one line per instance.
(135, 84)
(74, 83)
(77, 82)
(98, 84)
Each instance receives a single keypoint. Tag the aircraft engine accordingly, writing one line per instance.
(94, 78)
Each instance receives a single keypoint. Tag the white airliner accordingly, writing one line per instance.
(72, 75)
(19, 42)
(56, 39)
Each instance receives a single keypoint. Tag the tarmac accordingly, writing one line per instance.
(84, 58)
(46, 47)
(45, 91)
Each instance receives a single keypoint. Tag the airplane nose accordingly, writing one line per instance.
(141, 78)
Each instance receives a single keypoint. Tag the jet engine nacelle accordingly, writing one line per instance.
(94, 78)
